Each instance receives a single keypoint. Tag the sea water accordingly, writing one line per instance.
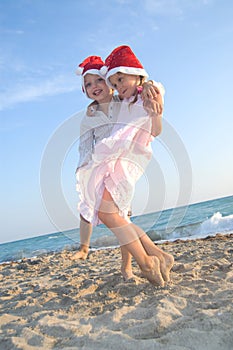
(197, 220)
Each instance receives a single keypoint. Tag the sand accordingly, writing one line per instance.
(52, 302)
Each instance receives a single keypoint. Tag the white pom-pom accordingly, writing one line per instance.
(103, 70)
(79, 70)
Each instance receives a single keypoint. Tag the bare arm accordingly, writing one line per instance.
(151, 107)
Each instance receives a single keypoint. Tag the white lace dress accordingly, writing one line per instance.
(117, 162)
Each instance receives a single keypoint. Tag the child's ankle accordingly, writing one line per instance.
(84, 248)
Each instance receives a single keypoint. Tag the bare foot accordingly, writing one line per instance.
(166, 266)
(79, 255)
(127, 274)
(154, 275)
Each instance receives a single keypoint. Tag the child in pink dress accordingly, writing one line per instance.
(96, 125)
(107, 182)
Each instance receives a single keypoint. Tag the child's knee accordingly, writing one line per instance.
(106, 216)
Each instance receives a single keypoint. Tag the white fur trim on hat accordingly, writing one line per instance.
(103, 70)
(94, 72)
(79, 70)
(125, 70)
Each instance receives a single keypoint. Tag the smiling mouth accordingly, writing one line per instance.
(97, 92)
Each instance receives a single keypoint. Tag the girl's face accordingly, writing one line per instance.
(125, 84)
(96, 88)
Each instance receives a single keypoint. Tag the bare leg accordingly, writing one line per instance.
(126, 267)
(85, 235)
(129, 238)
(166, 260)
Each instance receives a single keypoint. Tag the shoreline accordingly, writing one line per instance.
(51, 302)
(72, 248)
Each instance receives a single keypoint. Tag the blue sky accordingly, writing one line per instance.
(187, 45)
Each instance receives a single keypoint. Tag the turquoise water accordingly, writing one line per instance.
(195, 221)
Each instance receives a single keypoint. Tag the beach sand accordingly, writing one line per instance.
(52, 302)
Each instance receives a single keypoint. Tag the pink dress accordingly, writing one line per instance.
(117, 163)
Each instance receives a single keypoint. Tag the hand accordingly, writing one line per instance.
(152, 107)
(151, 92)
(91, 109)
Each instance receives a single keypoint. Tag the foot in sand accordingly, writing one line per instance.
(79, 255)
(127, 274)
(166, 264)
(153, 274)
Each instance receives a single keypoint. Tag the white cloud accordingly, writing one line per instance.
(25, 93)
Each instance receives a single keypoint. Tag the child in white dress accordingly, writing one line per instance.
(88, 178)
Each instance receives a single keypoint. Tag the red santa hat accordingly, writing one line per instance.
(91, 65)
(122, 59)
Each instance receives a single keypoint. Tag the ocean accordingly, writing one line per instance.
(197, 220)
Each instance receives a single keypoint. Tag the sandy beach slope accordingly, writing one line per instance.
(52, 302)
